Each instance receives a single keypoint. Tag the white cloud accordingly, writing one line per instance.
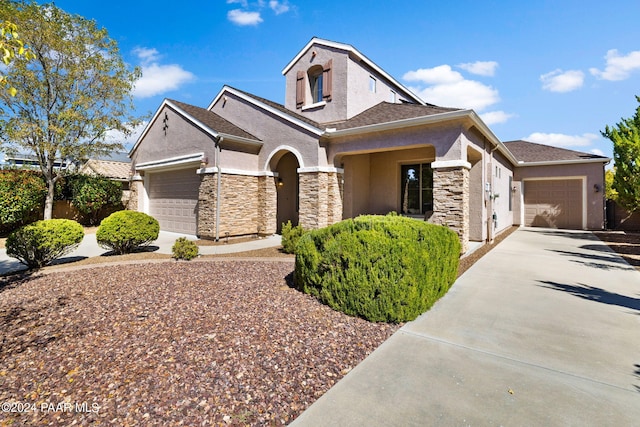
(243, 3)
(242, 18)
(562, 140)
(156, 78)
(495, 117)
(597, 152)
(279, 7)
(619, 67)
(481, 68)
(127, 141)
(448, 88)
(562, 81)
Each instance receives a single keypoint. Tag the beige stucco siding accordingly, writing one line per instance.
(273, 131)
(180, 138)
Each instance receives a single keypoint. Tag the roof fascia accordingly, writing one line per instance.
(604, 160)
(360, 56)
(265, 107)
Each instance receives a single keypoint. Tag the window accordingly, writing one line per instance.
(316, 87)
(372, 84)
(416, 189)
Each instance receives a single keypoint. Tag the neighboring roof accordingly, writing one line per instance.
(213, 121)
(352, 50)
(531, 153)
(385, 112)
(107, 168)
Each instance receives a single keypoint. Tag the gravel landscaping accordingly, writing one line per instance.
(213, 342)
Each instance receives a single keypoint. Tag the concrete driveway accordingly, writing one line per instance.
(543, 330)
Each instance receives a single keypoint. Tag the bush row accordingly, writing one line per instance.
(382, 268)
(22, 195)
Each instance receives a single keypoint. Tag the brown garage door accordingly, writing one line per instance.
(553, 203)
(173, 199)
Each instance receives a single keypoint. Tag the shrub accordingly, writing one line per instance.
(38, 244)
(21, 198)
(184, 248)
(290, 236)
(125, 231)
(382, 268)
(90, 194)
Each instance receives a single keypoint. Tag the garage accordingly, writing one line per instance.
(173, 199)
(554, 203)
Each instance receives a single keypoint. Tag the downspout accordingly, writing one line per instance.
(219, 140)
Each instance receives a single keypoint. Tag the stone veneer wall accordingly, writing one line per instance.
(320, 199)
(451, 201)
(239, 205)
(267, 205)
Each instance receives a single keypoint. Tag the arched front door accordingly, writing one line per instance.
(287, 189)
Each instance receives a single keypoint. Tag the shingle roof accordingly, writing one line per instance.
(389, 112)
(107, 168)
(529, 152)
(213, 121)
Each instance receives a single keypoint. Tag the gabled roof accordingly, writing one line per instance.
(213, 120)
(533, 154)
(353, 51)
(208, 121)
(270, 107)
(389, 112)
(107, 168)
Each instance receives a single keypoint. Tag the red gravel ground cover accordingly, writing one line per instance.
(175, 343)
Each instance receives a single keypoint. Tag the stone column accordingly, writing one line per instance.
(451, 198)
(320, 197)
(136, 187)
(267, 205)
(207, 200)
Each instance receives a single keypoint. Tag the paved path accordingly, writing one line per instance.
(89, 248)
(542, 331)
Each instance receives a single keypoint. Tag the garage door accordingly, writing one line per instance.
(553, 203)
(173, 199)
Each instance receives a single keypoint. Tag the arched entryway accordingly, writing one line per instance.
(287, 190)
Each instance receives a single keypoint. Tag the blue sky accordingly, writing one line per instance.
(554, 72)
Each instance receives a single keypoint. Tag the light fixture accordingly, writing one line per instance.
(596, 188)
(280, 182)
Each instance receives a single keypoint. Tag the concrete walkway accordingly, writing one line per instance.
(543, 330)
(89, 248)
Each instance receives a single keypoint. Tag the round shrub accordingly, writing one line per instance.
(38, 244)
(184, 248)
(381, 268)
(125, 231)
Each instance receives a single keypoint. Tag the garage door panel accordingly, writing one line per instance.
(173, 200)
(554, 203)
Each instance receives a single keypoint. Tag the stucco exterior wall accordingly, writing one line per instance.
(180, 138)
(238, 160)
(444, 139)
(594, 175)
(273, 131)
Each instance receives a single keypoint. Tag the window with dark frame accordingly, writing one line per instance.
(316, 86)
(416, 189)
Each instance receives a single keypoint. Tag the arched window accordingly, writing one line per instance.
(316, 83)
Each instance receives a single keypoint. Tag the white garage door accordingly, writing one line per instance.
(173, 199)
(553, 203)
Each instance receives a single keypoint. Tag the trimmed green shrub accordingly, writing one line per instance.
(22, 196)
(90, 194)
(290, 236)
(125, 231)
(38, 244)
(381, 268)
(184, 248)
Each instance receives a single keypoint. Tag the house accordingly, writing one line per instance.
(350, 140)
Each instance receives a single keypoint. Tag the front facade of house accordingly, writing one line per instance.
(349, 140)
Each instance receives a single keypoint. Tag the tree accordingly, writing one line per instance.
(11, 47)
(609, 192)
(75, 90)
(625, 136)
